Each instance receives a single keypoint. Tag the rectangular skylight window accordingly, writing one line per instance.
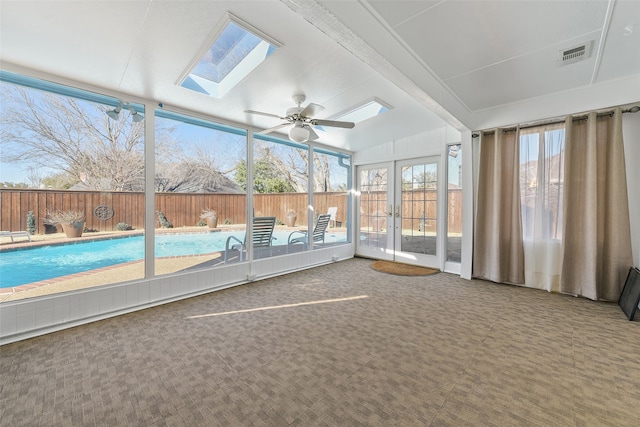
(364, 111)
(235, 52)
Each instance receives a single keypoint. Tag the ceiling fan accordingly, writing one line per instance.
(301, 120)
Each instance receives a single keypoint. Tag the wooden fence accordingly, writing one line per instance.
(418, 207)
(183, 209)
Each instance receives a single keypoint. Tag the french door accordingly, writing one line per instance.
(398, 205)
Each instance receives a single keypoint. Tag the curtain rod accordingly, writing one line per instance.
(582, 116)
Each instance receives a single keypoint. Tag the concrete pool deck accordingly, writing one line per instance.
(133, 270)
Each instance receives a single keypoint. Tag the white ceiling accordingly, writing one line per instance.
(450, 62)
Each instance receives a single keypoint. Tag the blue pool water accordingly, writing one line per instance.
(32, 265)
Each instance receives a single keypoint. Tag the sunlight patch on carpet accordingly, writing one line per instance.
(401, 269)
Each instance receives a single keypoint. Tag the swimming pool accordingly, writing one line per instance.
(46, 262)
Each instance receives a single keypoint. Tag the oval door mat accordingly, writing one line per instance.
(402, 269)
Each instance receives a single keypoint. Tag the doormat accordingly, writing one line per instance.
(401, 269)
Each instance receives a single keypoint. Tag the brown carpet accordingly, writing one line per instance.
(401, 269)
(336, 346)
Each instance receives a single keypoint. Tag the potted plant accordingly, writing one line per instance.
(291, 217)
(210, 216)
(72, 222)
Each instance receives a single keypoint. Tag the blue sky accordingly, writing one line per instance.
(12, 173)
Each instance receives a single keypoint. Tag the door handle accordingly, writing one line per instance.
(397, 211)
(390, 213)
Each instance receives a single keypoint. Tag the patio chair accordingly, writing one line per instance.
(262, 237)
(318, 233)
(12, 234)
(332, 211)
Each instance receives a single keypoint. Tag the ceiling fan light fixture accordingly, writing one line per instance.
(299, 133)
(302, 121)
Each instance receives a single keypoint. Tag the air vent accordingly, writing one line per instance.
(575, 54)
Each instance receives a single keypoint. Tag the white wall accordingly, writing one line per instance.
(425, 144)
(604, 95)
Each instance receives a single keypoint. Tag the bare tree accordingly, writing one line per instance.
(195, 174)
(73, 136)
(294, 168)
(70, 142)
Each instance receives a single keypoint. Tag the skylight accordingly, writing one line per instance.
(364, 111)
(232, 56)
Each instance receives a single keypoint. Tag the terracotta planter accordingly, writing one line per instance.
(212, 222)
(291, 220)
(73, 230)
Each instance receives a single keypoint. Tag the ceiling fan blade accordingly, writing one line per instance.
(312, 134)
(260, 113)
(275, 128)
(311, 110)
(333, 123)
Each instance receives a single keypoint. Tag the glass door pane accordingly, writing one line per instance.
(373, 189)
(417, 212)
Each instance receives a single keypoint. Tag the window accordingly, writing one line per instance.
(454, 203)
(364, 111)
(232, 56)
(66, 153)
(280, 189)
(199, 200)
(542, 182)
(331, 181)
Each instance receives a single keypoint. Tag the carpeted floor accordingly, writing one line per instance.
(338, 345)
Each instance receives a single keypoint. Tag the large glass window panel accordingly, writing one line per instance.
(72, 170)
(331, 181)
(280, 190)
(454, 203)
(200, 193)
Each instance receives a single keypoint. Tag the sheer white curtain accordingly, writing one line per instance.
(541, 190)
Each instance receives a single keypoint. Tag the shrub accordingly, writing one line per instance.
(201, 223)
(164, 222)
(31, 223)
(123, 226)
(227, 221)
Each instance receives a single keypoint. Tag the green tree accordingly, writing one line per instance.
(61, 180)
(267, 177)
(8, 184)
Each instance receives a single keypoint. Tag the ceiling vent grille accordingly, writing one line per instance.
(575, 54)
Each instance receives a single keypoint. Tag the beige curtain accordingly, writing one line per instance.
(498, 250)
(597, 237)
